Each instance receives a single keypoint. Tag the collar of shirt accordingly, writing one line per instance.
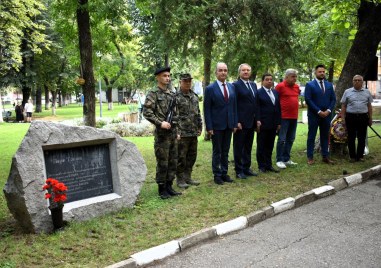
(357, 90)
(222, 87)
(267, 89)
(220, 83)
(318, 81)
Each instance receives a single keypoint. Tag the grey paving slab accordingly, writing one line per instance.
(342, 230)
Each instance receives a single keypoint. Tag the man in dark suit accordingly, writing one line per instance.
(246, 92)
(220, 111)
(269, 118)
(320, 98)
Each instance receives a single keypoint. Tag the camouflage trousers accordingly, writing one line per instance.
(166, 156)
(187, 154)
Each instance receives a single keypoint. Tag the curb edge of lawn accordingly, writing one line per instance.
(165, 250)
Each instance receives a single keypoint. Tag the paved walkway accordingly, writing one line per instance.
(342, 230)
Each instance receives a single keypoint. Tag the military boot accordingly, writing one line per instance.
(182, 184)
(163, 191)
(170, 190)
(192, 182)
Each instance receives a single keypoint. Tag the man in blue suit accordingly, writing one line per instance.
(321, 99)
(269, 117)
(220, 111)
(246, 92)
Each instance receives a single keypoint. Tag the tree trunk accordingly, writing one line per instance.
(1, 110)
(54, 101)
(364, 46)
(208, 48)
(47, 100)
(166, 60)
(38, 99)
(86, 54)
(26, 93)
(331, 70)
(59, 98)
(108, 92)
(109, 97)
(26, 65)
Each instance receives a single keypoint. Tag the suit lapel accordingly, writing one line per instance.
(243, 84)
(267, 95)
(218, 91)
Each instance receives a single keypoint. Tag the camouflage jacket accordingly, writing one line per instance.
(189, 116)
(156, 107)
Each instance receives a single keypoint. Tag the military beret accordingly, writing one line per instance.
(162, 70)
(185, 76)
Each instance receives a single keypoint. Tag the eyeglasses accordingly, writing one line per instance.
(357, 80)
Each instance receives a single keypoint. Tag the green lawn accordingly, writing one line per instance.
(112, 238)
(75, 111)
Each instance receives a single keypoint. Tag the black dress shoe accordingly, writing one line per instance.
(241, 176)
(273, 170)
(250, 173)
(226, 178)
(218, 180)
(262, 170)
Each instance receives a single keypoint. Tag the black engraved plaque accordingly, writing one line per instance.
(86, 170)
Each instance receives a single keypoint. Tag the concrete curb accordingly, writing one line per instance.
(129, 263)
(197, 237)
(283, 205)
(160, 252)
(304, 199)
(231, 226)
(338, 184)
(156, 253)
(323, 191)
(354, 179)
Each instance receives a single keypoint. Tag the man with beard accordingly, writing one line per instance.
(320, 98)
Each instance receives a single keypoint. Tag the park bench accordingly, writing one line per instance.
(7, 115)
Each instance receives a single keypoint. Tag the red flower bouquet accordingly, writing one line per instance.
(56, 192)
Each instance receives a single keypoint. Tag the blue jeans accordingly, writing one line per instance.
(286, 139)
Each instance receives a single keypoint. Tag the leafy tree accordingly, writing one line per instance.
(365, 43)
(22, 38)
(17, 17)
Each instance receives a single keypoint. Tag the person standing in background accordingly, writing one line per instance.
(159, 102)
(189, 128)
(321, 99)
(356, 111)
(270, 119)
(19, 110)
(289, 93)
(29, 110)
(247, 106)
(220, 111)
(141, 100)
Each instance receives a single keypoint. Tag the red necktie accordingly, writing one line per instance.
(226, 97)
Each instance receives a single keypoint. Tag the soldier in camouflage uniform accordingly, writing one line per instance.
(156, 108)
(189, 127)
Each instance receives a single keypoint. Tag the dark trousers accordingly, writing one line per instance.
(242, 145)
(187, 154)
(166, 155)
(221, 145)
(315, 122)
(265, 146)
(357, 125)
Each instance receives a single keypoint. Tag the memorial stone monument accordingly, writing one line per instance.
(102, 171)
